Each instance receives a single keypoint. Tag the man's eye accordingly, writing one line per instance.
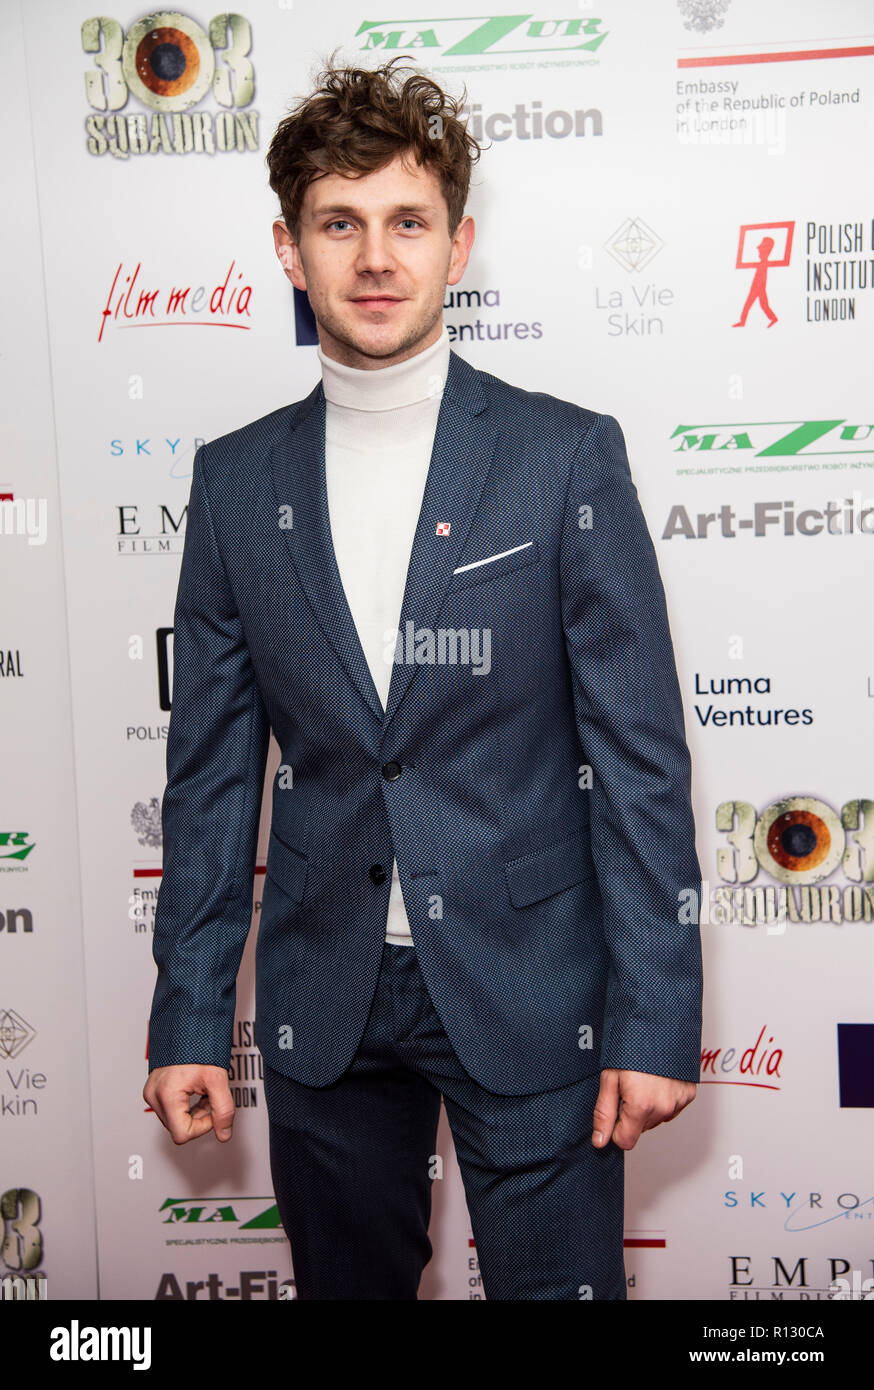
(405, 221)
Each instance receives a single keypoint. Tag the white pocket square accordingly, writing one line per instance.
(500, 555)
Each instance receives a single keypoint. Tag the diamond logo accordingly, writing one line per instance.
(15, 1033)
(634, 244)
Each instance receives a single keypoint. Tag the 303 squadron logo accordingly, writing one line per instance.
(169, 64)
(799, 841)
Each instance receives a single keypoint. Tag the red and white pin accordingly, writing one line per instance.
(443, 528)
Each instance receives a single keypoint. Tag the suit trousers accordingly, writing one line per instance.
(353, 1162)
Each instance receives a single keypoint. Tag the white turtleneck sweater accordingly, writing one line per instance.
(379, 434)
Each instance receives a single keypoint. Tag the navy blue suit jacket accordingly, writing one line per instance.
(549, 906)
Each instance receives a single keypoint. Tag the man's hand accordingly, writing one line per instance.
(639, 1101)
(169, 1090)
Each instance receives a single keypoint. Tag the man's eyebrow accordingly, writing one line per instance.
(347, 209)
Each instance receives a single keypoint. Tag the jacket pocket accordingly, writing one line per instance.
(531, 877)
(491, 566)
(286, 867)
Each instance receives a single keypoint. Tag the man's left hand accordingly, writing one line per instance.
(631, 1101)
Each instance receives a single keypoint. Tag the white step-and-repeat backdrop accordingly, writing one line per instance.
(675, 225)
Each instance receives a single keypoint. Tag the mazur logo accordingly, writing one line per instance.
(466, 37)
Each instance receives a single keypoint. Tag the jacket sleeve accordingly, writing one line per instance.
(629, 717)
(216, 754)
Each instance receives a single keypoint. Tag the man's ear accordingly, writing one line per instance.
(282, 243)
(288, 254)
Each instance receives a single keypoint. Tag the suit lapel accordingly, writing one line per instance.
(299, 481)
(464, 444)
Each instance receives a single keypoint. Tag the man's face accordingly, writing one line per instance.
(374, 258)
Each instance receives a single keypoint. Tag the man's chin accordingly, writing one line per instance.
(377, 339)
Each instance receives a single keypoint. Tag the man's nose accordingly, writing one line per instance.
(375, 252)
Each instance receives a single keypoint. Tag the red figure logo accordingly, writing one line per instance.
(782, 239)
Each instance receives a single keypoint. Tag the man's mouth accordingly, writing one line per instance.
(376, 301)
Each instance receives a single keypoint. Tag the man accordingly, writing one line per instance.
(440, 593)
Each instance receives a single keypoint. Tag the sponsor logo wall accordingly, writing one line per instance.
(694, 254)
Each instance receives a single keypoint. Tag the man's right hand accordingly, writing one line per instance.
(169, 1090)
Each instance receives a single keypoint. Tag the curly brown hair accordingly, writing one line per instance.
(357, 120)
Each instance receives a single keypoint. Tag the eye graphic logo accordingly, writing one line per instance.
(799, 840)
(170, 67)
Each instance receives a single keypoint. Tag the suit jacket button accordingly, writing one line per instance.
(391, 771)
(377, 873)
